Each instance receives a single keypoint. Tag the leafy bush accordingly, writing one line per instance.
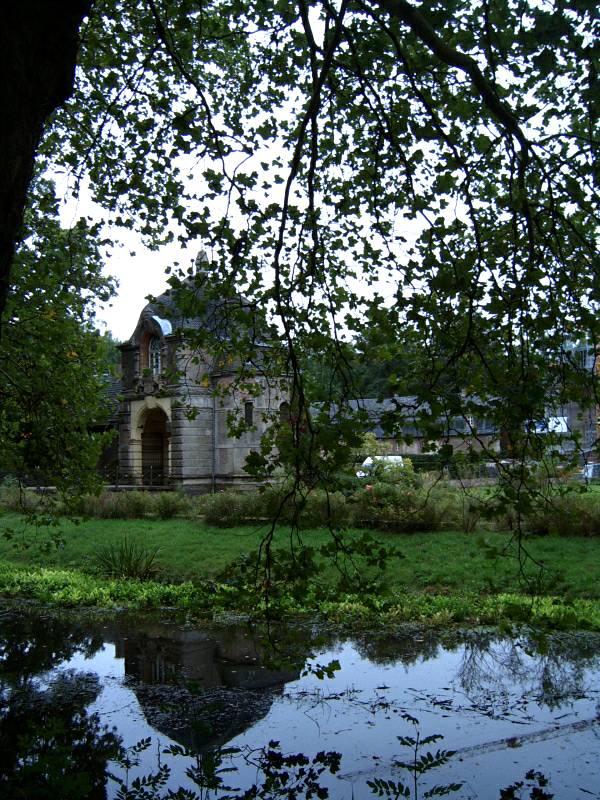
(22, 500)
(459, 510)
(228, 509)
(471, 514)
(116, 505)
(571, 514)
(100, 506)
(385, 472)
(307, 509)
(325, 508)
(399, 508)
(169, 504)
(127, 559)
(279, 502)
(133, 505)
(312, 509)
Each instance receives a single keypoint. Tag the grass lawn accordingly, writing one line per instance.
(432, 563)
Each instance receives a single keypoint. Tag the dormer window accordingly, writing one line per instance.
(154, 355)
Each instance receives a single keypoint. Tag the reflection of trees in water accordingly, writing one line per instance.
(202, 687)
(551, 669)
(282, 646)
(234, 657)
(50, 747)
(406, 647)
(32, 643)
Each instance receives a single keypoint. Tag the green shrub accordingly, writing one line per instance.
(22, 500)
(288, 504)
(116, 505)
(308, 509)
(324, 509)
(404, 476)
(276, 503)
(127, 559)
(571, 514)
(228, 509)
(471, 514)
(395, 503)
(312, 509)
(457, 509)
(382, 472)
(167, 505)
(133, 505)
(99, 506)
(398, 508)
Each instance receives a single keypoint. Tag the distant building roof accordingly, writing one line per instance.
(409, 407)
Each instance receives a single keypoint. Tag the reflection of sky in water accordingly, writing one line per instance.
(118, 706)
(476, 699)
(358, 713)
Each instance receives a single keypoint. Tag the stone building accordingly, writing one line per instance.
(575, 429)
(177, 401)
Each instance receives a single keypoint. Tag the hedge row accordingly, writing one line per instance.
(381, 506)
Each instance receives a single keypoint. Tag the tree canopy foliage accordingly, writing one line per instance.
(52, 359)
(428, 171)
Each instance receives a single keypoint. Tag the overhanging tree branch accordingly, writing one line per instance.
(403, 11)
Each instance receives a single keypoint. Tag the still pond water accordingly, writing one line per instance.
(89, 704)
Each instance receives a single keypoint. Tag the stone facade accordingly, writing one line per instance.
(176, 404)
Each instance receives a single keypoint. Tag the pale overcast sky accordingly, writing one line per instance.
(138, 275)
(139, 271)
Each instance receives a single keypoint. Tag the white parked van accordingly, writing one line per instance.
(385, 462)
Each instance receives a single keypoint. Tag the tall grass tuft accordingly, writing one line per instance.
(127, 559)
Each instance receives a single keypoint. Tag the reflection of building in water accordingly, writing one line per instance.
(183, 655)
(199, 688)
(162, 654)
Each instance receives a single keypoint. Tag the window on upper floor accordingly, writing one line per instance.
(154, 355)
(249, 413)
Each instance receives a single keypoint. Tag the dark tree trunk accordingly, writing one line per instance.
(39, 40)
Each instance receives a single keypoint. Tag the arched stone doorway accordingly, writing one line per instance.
(155, 448)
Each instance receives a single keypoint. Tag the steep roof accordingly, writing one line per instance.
(165, 307)
(190, 308)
